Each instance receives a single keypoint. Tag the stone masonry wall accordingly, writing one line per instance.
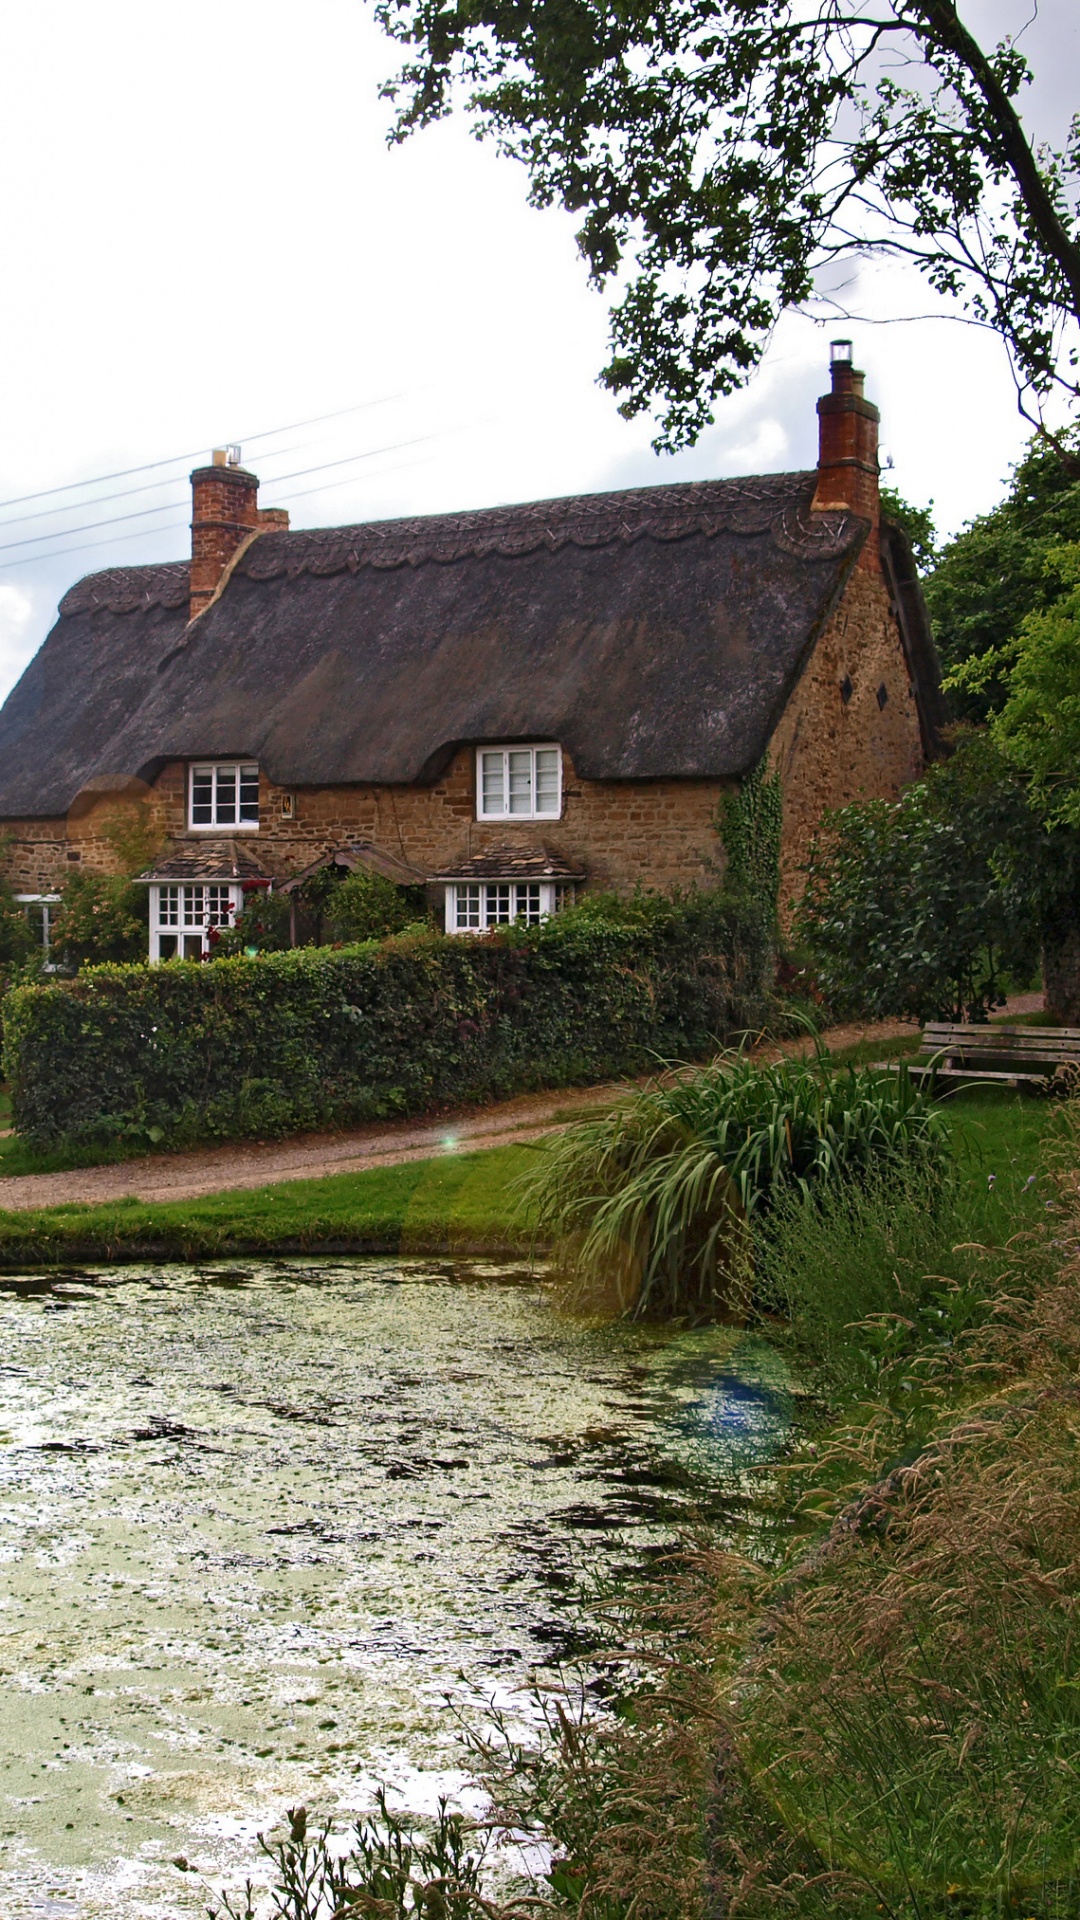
(831, 751)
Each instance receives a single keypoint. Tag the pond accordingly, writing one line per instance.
(266, 1531)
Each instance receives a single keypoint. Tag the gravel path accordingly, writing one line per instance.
(310, 1156)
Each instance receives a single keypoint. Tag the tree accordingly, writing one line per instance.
(917, 523)
(1037, 725)
(996, 573)
(921, 907)
(724, 154)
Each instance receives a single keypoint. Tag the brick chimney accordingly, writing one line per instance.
(224, 510)
(848, 446)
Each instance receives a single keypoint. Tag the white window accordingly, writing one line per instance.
(518, 783)
(181, 917)
(224, 793)
(474, 905)
(39, 909)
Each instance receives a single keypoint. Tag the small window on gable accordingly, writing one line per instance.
(224, 793)
(518, 783)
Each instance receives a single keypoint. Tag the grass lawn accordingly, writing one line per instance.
(461, 1202)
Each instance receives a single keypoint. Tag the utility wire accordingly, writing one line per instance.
(169, 506)
(89, 546)
(152, 466)
(125, 493)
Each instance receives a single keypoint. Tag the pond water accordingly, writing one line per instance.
(259, 1524)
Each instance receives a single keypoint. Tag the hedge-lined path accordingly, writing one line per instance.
(310, 1156)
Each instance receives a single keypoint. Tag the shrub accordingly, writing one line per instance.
(366, 907)
(921, 907)
(101, 917)
(264, 925)
(315, 1038)
(648, 1204)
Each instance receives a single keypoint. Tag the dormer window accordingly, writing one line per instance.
(518, 783)
(224, 793)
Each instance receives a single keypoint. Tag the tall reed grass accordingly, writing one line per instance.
(649, 1205)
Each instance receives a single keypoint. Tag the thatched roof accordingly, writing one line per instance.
(654, 632)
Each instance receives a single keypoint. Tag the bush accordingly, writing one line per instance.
(101, 917)
(648, 1205)
(315, 1038)
(264, 926)
(921, 908)
(367, 907)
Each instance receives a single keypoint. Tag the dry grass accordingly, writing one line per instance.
(887, 1720)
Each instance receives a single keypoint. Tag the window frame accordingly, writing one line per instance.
(531, 747)
(238, 768)
(44, 901)
(478, 918)
(184, 929)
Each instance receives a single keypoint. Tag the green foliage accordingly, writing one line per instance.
(264, 925)
(388, 1869)
(647, 1204)
(918, 908)
(718, 154)
(132, 835)
(862, 1270)
(994, 575)
(1038, 672)
(750, 824)
(315, 1038)
(101, 917)
(366, 907)
(917, 523)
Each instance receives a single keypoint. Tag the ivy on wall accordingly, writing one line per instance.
(750, 824)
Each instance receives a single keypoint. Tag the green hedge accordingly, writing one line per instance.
(311, 1038)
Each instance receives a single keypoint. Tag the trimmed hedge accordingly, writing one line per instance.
(185, 1052)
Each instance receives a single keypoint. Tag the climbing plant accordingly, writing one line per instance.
(750, 824)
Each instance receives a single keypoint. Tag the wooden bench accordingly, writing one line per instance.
(1041, 1057)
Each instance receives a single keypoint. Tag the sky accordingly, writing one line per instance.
(205, 239)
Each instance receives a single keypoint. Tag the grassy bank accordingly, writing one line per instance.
(454, 1204)
(868, 1704)
(463, 1202)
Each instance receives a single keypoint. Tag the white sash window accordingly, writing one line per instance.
(518, 783)
(472, 906)
(223, 793)
(181, 917)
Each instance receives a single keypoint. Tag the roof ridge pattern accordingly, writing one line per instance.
(773, 503)
(130, 589)
(778, 504)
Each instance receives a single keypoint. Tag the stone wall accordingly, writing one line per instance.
(831, 750)
(660, 833)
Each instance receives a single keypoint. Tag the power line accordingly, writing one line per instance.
(168, 506)
(125, 493)
(90, 546)
(152, 466)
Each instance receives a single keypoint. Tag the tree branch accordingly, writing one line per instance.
(942, 16)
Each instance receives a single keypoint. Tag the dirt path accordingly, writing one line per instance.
(310, 1156)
